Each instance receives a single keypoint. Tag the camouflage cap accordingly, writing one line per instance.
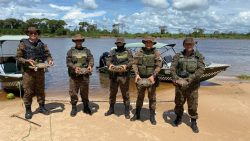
(32, 29)
(189, 40)
(149, 39)
(120, 40)
(78, 37)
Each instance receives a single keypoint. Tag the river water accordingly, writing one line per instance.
(233, 52)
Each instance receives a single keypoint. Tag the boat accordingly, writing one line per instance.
(167, 53)
(10, 73)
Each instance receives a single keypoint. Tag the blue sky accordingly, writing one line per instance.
(138, 15)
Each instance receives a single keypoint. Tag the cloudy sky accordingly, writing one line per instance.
(138, 15)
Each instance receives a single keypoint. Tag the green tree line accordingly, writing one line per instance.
(59, 28)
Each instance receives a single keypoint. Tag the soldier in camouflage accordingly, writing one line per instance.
(186, 69)
(123, 58)
(147, 64)
(80, 62)
(29, 53)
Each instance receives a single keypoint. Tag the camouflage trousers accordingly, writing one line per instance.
(191, 96)
(76, 84)
(33, 84)
(123, 82)
(151, 96)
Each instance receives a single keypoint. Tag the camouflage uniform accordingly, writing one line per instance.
(147, 63)
(190, 68)
(120, 57)
(33, 81)
(79, 57)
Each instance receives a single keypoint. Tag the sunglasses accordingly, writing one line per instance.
(190, 44)
(33, 33)
(148, 42)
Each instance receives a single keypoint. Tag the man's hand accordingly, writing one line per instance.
(77, 70)
(188, 80)
(151, 79)
(182, 82)
(50, 62)
(137, 78)
(174, 82)
(110, 66)
(89, 69)
(31, 62)
(124, 67)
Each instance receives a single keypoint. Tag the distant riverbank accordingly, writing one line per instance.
(142, 35)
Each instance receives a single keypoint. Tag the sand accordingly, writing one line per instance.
(224, 111)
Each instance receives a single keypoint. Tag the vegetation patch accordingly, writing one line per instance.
(244, 77)
(59, 28)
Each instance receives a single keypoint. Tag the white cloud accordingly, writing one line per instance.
(142, 21)
(190, 4)
(245, 15)
(90, 4)
(62, 8)
(40, 14)
(239, 22)
(77, 14)
(184, 15)
(24, 13)
(149, 20)
(156, 3)
(26, 3)
(4, 1)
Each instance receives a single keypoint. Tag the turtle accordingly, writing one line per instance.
(144, 82)
(39, 66)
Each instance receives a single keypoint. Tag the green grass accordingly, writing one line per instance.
(244, 77)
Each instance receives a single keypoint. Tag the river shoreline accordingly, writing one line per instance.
(223, 110)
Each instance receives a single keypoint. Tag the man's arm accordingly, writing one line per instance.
(173, 67)
(109, 59)
(20, 53)
(158, 63)
(130, 59)
(200, 70)
(47, 53)
(135, 62)
(90, 59)
(69, 60)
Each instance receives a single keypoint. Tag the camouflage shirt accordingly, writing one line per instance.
(21, 53)
(69, 60)
(200, 68)
(112, 57)
(157, 61)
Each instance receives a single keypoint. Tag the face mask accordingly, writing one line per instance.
(120, 48)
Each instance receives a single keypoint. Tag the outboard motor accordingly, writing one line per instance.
(103, 58)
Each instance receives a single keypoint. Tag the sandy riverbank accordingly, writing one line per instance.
(224, 110)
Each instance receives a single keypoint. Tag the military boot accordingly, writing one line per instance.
(127, 115)
(152, 117)
(111, 110)
(194, 126)
(177, 121)
(137, 114)
(43, 110)
(28, 113)
(86, 109)
(73, 111)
